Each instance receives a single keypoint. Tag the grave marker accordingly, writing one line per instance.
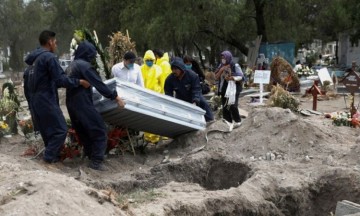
(351, 82)
(261, 77)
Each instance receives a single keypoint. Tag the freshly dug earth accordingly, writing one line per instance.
(277, 163)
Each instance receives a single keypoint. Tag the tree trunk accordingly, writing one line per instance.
(200, 55)
(260, 21)
(15, 61)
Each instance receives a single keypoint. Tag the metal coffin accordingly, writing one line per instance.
(149, 111)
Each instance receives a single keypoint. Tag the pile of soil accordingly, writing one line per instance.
(277, 163)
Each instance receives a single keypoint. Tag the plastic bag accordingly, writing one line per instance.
(230, 92)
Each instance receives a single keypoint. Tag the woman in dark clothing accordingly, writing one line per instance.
(191, 64)
(228, 72)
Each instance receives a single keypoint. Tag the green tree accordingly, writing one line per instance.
(11, 17)
(22, 23)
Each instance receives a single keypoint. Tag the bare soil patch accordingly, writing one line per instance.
(277, 163)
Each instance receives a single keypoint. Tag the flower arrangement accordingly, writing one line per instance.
(101, 60)
(304, 71)
(72, 146)
(4, 128)
(341, 119)
(249, 73)
(345, 119)
(9, 106)
(26, 126)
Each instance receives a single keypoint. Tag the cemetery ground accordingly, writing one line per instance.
(277, 163)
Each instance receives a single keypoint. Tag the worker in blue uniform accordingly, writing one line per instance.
(41, 89)
(186, 85)
(86, 121)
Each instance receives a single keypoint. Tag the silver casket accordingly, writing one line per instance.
(148, 111)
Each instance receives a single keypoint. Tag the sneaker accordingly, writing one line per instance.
(237, 124)
(98, 166)
(230, 125)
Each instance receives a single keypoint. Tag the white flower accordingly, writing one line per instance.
(6, 93)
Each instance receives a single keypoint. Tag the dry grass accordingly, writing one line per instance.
(282, 98)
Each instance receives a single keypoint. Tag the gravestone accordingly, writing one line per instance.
(324, 75)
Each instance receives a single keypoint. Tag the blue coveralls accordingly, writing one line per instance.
(188, 88)
(43, 100)
(86, 121)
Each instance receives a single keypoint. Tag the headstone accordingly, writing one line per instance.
(324, 75)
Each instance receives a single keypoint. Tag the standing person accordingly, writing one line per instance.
(162, 59)
(186, 85)
(152, 74)
(128, 70)
(298, 66)
(229, 73)
(41, 90)
(193, 65)
(86, 121)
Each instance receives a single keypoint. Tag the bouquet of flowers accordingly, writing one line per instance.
(345, 119)
(249, 73)
(26, 126)
(304, 71)
(8, 107)
(4, 128)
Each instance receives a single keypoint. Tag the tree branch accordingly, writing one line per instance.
(240, 46)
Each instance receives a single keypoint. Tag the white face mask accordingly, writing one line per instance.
(223, 61)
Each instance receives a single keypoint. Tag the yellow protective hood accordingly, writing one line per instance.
(165, 58)
(149, 55)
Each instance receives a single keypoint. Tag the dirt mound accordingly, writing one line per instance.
(276, 163)
(44, 192)
(288, 135)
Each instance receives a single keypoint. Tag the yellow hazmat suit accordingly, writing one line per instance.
(151, 74)
(152, 80)
(164, 63)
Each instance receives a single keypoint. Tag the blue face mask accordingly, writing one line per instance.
(130, 66)
(149, 63)
(188, 66)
